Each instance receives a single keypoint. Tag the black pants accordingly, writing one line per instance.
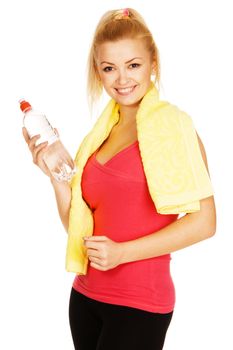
(97, 325)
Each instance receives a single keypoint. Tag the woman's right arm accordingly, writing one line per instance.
(62, 189)
(63, 196)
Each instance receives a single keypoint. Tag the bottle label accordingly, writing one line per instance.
(39, 124)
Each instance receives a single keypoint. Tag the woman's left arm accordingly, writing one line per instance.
(188, 230)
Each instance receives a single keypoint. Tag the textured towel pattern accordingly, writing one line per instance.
(175, 171)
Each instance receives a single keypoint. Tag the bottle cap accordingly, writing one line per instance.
(24, 105)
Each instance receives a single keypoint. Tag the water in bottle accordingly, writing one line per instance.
(56, 157)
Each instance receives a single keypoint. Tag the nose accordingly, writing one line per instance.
(122, 78)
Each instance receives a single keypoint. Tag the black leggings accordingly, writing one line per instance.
(97, 325)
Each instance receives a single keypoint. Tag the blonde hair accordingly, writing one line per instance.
(116, 25)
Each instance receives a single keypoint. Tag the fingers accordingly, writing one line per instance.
(37, 149)
(68, 161)
(95, 238)
(31, 142)
(71, 163)
(25, 134)
(56, 131)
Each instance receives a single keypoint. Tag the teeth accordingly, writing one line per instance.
(126, 89)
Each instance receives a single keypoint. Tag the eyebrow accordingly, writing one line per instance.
(125, 62)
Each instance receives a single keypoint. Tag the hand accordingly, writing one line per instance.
(103, 253)
(37, 151)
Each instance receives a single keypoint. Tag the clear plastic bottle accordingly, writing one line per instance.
(57, 158)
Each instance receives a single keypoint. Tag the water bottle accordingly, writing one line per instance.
(56, 157)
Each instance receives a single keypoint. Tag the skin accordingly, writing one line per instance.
(121, 74)
(103, 253)
(37, 151)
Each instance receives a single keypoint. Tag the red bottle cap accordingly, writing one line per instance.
(24, 105)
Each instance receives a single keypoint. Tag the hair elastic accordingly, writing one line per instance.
(122, 14)
(125, 12)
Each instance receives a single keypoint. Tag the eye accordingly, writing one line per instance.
(106, 70)
(133, 64)
(137, 64)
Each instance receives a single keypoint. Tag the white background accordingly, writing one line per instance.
(44, 47)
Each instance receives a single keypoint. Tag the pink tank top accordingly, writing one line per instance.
(123, 210)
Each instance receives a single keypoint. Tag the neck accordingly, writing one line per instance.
(127, 115)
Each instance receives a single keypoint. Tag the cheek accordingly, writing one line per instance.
(145, 71)
(108, 79)
(105, 77)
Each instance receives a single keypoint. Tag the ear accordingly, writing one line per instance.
(97, 75)
(153, 68)
(97, 72)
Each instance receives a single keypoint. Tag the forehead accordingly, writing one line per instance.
(121, 50)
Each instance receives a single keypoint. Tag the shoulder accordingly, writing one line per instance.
(175, 116)
(203, 152)
(207, 205)
(177, 113)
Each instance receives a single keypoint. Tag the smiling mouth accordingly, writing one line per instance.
(126, 91)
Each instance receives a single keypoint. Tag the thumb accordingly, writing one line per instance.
(56, 131)
(96, 238)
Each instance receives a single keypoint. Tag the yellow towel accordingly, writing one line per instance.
(175, 171)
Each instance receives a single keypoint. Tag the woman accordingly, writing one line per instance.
(126, 300)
